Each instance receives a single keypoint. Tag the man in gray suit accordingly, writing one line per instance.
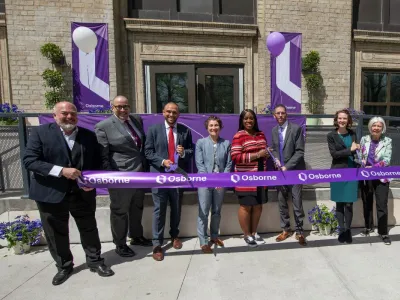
(288, 150)
(122, 139)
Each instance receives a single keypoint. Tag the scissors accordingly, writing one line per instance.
(175, 168)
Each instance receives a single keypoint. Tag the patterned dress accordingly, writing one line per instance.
(243, 145)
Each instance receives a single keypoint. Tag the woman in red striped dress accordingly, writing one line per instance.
(249, 153)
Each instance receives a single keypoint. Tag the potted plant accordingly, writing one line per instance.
(21, 233)
(6, 108)
(314, 84)
(323, 218)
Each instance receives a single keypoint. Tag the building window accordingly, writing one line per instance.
(2, 6)
(381, 93)
(225, 11)
(195, 88)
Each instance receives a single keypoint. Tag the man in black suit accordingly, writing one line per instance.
(288, 150)
(122, 139)
(163, 141)
(56, 154)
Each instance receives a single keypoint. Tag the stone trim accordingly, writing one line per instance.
(187, 27)
(187, 48)
(373, 50)
(367, 36)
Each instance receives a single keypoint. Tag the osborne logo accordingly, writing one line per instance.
(235, 178)
(365, 173)
(303, 177)
(161, 179)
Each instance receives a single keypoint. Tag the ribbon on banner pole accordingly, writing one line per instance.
(111, 179)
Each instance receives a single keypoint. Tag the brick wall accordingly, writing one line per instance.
(326, 28)
(30, 24)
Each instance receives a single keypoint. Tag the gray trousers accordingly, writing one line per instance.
(209, 198)
(283, 194)
(126, 214)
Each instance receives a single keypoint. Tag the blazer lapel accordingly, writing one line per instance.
(164, 136)
(118, 125)
(380, 146)
(62, 141)
(338, 140)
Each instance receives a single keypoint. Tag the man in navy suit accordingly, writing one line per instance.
(56, 154)
(163, 142)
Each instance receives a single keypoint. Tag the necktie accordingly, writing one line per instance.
(134, 135)
(171, 144)
(281, 142)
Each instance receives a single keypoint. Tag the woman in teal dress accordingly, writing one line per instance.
(342, 146)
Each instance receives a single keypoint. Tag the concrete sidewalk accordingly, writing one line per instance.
(324, 269)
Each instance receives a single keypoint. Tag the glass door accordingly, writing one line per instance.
(218, 90)
(171, 83)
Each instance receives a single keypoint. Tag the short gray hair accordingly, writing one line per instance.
(374, 120)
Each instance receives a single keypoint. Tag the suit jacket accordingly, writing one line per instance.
(293, 148)
(119, 150)
(383, 152)
(338, 149)
(156, 147)
(205, 155)
(46, 148)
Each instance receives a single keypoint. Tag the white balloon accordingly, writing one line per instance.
(85, 39)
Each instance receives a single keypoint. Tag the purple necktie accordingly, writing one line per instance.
(281, 141)
(135, 136)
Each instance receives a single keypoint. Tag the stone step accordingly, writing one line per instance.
(12, 207)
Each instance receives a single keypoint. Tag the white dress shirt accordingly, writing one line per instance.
(70, 139)
(175, 132)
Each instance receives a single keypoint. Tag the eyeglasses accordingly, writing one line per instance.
(120, 107)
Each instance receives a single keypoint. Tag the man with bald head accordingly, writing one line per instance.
(122, 139)
(168, 143)
(56, 154)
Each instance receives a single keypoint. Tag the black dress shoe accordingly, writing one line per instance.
(349, 238)
(141, 241)
(124, 251)
(342, 237)
(102, 270)
(62, 276)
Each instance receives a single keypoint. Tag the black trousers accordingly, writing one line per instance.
(381, 190)
(126, 214)
(55, 216)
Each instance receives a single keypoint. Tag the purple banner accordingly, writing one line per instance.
(286, 74)
(107, 179)
(193, 121)
(90, 66)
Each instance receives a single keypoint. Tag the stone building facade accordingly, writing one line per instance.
(220, 44)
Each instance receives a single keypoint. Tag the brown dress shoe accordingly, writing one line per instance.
(302, 240)
(206, 249)
(218, 242)
(176, 243)
(158, 253)
(283, 236)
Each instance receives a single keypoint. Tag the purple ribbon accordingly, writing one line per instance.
(111, 179)
(173, 166)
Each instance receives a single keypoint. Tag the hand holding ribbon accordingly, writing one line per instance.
(276, 161)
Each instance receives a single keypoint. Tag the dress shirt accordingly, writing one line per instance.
(133, 126)
(70, 140)
(284, 126)
(175, 132)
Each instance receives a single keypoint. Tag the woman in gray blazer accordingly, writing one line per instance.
(212, 156)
